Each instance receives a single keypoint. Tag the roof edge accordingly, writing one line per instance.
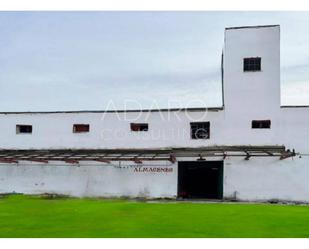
(193, 109)
(253, 27)
(294, 106)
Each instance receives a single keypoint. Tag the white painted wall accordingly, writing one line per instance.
(90, 179)
(247, 96)
(261, 179)
(110, 130)
(54, 131)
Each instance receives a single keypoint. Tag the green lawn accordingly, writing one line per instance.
(33, 216)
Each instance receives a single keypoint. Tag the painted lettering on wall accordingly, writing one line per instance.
(153, 169)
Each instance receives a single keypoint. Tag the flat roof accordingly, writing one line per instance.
(294, 106)
(195, 109)
(253, 27)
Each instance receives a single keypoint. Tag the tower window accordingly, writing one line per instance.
(261, 124)
(139, 127)
(79, 128)
(200, 130)
(252, 64)
(23, 129)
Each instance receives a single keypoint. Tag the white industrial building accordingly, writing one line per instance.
(250, 149)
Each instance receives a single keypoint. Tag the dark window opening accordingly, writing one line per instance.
(23, 129)
(252, 64)
(200, 130)
(139, 127)
(78, 128)
(261, 124)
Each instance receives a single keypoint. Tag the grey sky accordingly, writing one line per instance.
(82, 60)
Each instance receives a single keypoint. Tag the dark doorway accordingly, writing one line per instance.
(200, 179)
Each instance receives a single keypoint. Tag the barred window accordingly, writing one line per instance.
(252, 64)
(200, 130)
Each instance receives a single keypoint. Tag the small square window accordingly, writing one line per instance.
(139, 127)
(261, 124)
(21, 129)
(252, 64)
(79, 128)
(200, 130)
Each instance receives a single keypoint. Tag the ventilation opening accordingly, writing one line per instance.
(20, 129)
(79, 128)
(139, 127)
(261, 124)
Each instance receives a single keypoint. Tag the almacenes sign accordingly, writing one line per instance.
(153, 169)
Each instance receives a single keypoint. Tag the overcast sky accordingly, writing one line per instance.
(82, 60)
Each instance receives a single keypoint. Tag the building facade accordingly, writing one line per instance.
(250, 149)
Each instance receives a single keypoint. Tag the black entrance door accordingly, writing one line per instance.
(200, 179)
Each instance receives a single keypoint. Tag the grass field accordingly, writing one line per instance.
(33, 216)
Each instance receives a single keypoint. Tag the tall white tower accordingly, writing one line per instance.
(251, 71)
